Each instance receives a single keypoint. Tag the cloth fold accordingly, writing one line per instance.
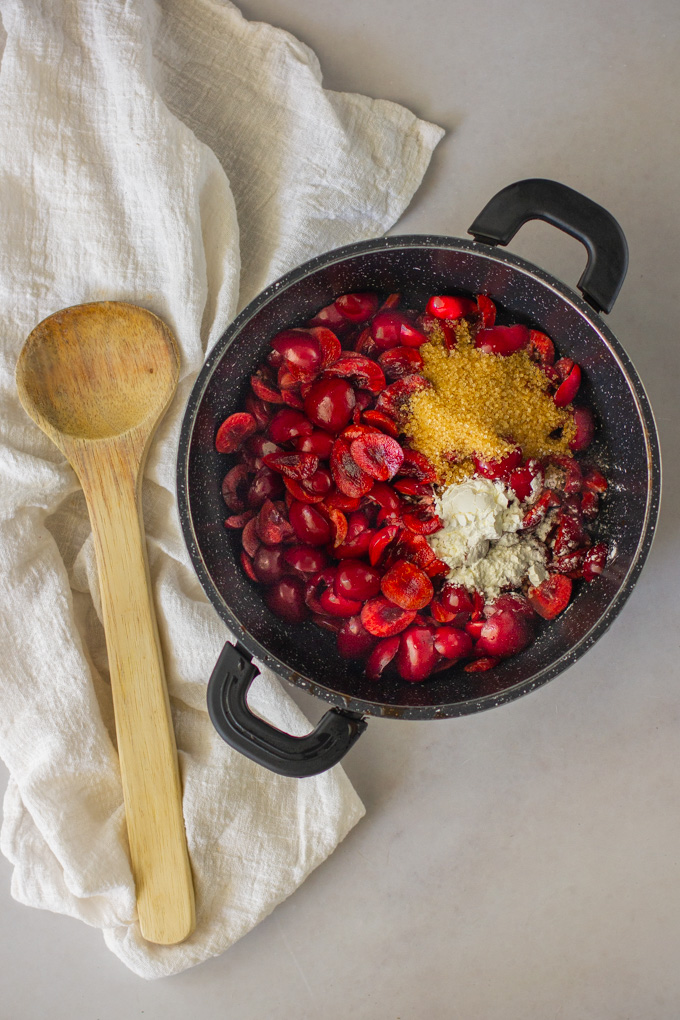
(178, 157)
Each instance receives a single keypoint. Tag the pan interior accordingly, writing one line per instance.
(625, 447)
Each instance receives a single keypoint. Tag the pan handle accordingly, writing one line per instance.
(280, 752)
(539, 199)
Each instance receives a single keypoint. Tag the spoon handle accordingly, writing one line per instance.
(146, 742)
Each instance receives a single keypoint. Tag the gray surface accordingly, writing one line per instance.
(523, 863)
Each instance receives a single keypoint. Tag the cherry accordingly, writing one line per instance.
(288, 423)
(309, 524)
(444, 307)
(329, 404)
(318, 442)
(338, 605)
(300, 350)
(452, 643)
(503, 340)
(235, 487)
(505, 633)
(354, 641)
(585, 428)
(407, 585)
(357, 307)
(286, 598)
(266, 484)
(381, 656)
(234, 431)
(269, 563)
(356, 580)
(417, 655)
(305, 559)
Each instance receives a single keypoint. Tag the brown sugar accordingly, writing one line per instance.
(483, 404)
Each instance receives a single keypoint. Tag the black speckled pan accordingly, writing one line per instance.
(418, 266)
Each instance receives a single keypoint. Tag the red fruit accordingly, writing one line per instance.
(566, 392)
(292, 399)
(287, 424)
(444, 307)
(347, 474)
(234, 431)
(498, 468)
(386, 330)
(293, 465)
(391, 301)
(585, 428)
(410, 487)
(250, 538)
(354, 548)
(422, 522)
(300, 350)
(316, 586)
(259, 410)
(407, 586)
(541, 348)
(595, 481)
(365, 344)
(272, 525)
(318, 442)
(329, 404)
(382, 422)
(263, 386)
(551, 596)
(536, 514)
(410, 336)
(356, 580)
(438, 328)
(521, 479)
(590, 504)
(383, 619)
(455, 599)
(339, 501)
(378, 455)
(269, 563)
(416, 465)
(417, 655)
(381, 656)
(400, 361)
(320, 483)
(385, 496)
(487, 310)
(452, 643)
(364, 373)
(266, 484)
(570, 563)
(332, 623)
(379, 542)
(474, 628)
(477, 605)
(300, 491)
(247, 565)
(594, 561)
(364, 401)
(309, 524)
(235, 487)
(357, 307)
(338, 605)
(481, 665)
(286, 598)
(505, 633)
(331, 318)
(511, 601)
(328, 344)
(503, 340)
(394, 396)
(255, 449)
(570, 535)
(238, 521)
(563, 367)
(354, 641)
(306, 559)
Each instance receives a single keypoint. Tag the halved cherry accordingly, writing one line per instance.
(301, 491)
(400, 361)
(379, 542)
(487, 310)
(391, 301)
(273, 527)
(300, 350)
(500, 468)
(407, 585)
(309, 524)
(417, 655)
(305, 559)
(338, 605)
(286, 598)
(567, 390)
(383, 618)
(453, 601)
(438, 329)
(357, 307)
(585, 428)
(238, 521)
(541, 348)
(378, 455)
(502, 340)
(570, 535)
(365, 344)
(452, 643)
(329, 404)
(411, 336)
(595, 481)
(247, 565)
(536, 514)
(266, 484)
(234, 431)
(594, 561)
(443, 306)
(293, 465)
(417, 465)
(250, 538)
(354, 641)
(289, 424)
(385, 496)
(316, 586)
(331, 318)
(569, 563)
(521, 479)
(364, 373)
(381, 656)
(410, 487)
(292, 399)
(339, 523)
(381, 421)
(474, 628)
(264, 387)
(563, 367)
(505, 633)
(590, 504)
(259, 410)
(235, 487)
(354, 548)
(481, 665)
(423, 522)
(255, 449)
(551, 596)
(269, 563)
(340, 501)
(347, 474)
(317, 441)
(356, 580)
(397, 393)
(329, 344)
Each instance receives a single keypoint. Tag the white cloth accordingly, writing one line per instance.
(179, 157)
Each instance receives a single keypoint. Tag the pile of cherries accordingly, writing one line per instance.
(335, 508)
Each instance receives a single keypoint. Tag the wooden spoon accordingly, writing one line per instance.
(97, 379)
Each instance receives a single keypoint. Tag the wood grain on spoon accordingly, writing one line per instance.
(97, 378)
